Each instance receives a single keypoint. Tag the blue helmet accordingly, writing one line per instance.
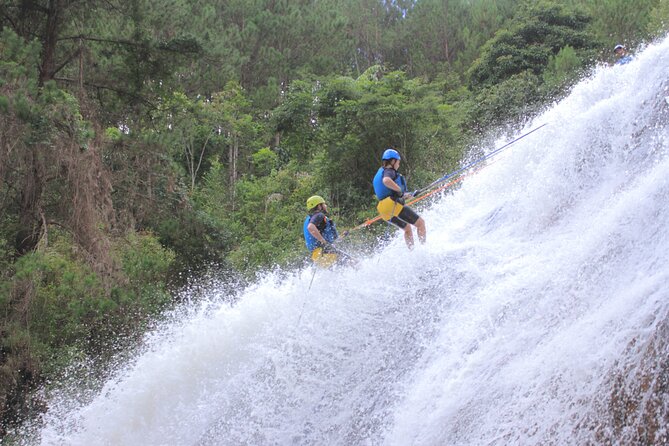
(391, 154)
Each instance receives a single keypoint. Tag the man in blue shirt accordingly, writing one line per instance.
(623, 57)
(391, 190)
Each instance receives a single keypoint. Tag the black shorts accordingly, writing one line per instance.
(406, 216)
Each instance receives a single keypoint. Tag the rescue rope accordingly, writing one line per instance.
(475, 162)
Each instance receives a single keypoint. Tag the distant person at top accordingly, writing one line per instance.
(391, 190)
(621, 53)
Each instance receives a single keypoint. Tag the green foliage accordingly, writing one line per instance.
(67, 297)
(144, 260)
(17, 57)
(265, 161)
(113, 133)
(146, 266)
(69, 302)
(6, 269)
(658, 22)
(197, 240)
(443, 36)
(62, 111)
(295, 118)
(541, 32)
(54, 305)
(506, 101)
(562, 69)
(407, 114)
(621, 21)
(545, 48)
(212, 205)
(269, 219)
(187, 130)
(4, 103)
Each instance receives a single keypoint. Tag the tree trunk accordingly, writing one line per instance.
(27, 236)
(81, 67)
(49, 41)
(445, 30)
(234, 153)
(445, 47)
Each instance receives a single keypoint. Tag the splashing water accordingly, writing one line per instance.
(536, 313)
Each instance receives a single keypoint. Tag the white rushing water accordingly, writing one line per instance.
(533, 306)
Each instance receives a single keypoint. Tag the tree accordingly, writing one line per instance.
(562, 69)
(231, 111)
(441, 36)
(618, 21)
(659, 18)
(539, 33)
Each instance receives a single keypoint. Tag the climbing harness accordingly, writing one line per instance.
(389, 208)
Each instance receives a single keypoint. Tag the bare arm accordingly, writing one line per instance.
(390, 184)
(313, 230)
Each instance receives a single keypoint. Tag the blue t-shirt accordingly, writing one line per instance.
(624, 60)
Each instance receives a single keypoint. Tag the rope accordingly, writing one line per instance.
(483, 158)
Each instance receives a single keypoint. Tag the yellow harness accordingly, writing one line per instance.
(323, 260)
(389, 208)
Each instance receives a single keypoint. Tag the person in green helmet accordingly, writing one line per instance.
(320, 232)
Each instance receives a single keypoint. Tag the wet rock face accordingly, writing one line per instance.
(636, 411)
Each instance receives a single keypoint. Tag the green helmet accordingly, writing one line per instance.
(314, 201)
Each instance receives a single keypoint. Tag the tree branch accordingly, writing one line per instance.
(107, 87)
(131, 43)
(67, 61)
(99, 39)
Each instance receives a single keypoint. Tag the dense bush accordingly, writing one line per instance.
(56, 307)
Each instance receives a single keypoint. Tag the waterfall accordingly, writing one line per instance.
(537, 313)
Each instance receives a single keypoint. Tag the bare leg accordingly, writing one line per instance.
(408, 236)
(420, 226)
